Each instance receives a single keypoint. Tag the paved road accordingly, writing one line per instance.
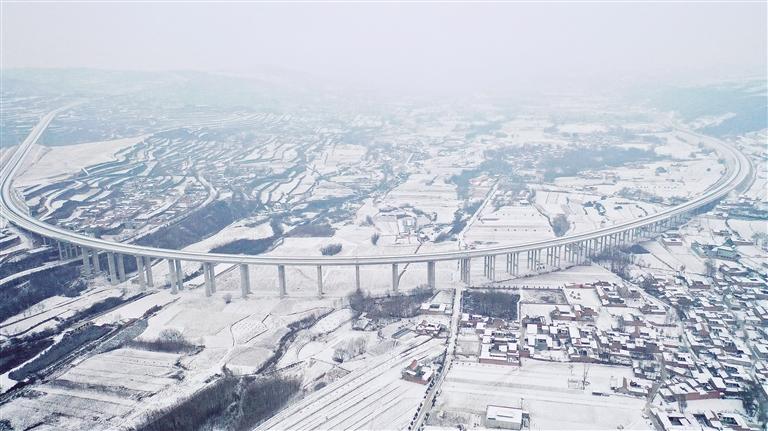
(12, 209)
(453, 336)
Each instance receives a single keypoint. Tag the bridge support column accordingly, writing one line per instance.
(212, 272)
(180, 276)
(319, 281)
(141, 273)
(245, 281)
(111, 266)
(172, 276)
(61, 251)
(464, 270)
(395, 278)
(120, 267)
(489, 267)
(281, 287)
(515, 263)
(431, 274)
(357, 278)
(148, 266)
(207, 276)
(96, 263)
(86, 263)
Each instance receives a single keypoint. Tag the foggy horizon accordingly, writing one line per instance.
(456, 47)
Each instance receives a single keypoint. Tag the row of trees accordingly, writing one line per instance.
(492, 303)
(349, 349)
(63, 281)
(397, 305)
(330, 249)
(169, 340)
(560, 224)
(236, 403)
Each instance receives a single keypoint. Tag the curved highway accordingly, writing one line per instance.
(737, 168)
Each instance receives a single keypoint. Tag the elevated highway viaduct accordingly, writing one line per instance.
(575, 248)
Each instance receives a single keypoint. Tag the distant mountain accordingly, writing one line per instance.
(721, 109)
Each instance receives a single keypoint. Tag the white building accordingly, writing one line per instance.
(503, 417)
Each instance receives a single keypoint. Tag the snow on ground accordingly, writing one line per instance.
(427, 194)
(541, 388)
(371, 397)
(47, 313)
(97, 392)
(46, 163)
(233, 232)
(508, 225)
(575, 274)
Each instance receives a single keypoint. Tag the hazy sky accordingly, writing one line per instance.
(488, 45)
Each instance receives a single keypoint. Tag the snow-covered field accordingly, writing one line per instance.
(508, 225)
(541, 388)
(96, 393)
(46, 163)
(371, 397)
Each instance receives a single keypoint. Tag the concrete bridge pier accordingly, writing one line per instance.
(140, 272)
(529, 259)
(86, 263)
(513, 263)
(281, 286)
(357, 277)
(245, 281)
(210, 278)
(430, 274)
(489, 267)
(464, 270)
(120, 267)
(148, 267)
(395, 278)
(207, 277)
(516, 264)
(112, 269)
(319, 281)
(172, 276)
(179, 275)
(96, 262)
(211, 271)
